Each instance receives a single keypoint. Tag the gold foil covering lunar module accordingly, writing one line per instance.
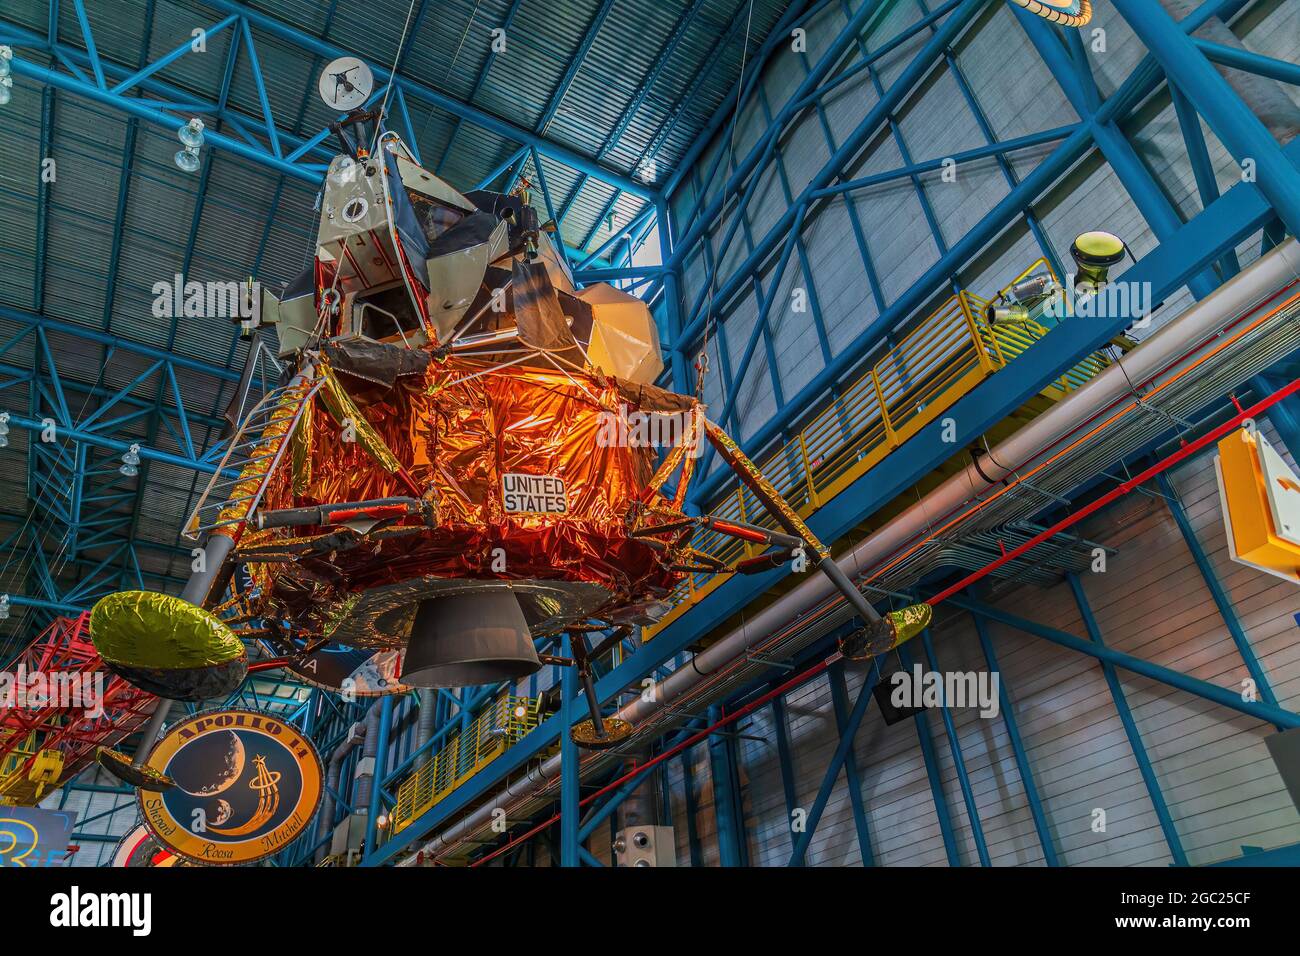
(391, 405)
(457, 430)
(446, 430)
(167, 646)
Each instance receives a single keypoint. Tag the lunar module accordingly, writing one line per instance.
(446, 471)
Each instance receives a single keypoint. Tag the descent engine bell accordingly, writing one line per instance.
(469, 638)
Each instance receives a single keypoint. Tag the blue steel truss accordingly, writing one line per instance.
(1197, 252)
(259, 139)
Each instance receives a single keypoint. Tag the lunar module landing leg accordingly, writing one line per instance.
(176, 647)
(598, 732)
(878, 634)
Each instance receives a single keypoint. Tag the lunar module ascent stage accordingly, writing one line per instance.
(433, 476)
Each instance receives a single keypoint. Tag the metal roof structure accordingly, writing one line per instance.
(820, 172)
(594, 100)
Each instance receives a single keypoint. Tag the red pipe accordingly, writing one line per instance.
(374, 512)
(736, 531)
(691, 741)
(1120, 490)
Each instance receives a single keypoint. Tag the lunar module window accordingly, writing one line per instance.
(434, 217)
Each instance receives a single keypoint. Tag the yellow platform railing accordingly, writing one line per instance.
(466, 752)
(948, 353)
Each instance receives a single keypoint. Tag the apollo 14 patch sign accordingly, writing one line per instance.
(247, 784)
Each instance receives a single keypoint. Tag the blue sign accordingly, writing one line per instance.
(31, 837)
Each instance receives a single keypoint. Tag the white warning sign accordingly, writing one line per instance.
(542, 494)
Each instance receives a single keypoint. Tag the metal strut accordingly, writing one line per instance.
(788, 518)
(578, 646)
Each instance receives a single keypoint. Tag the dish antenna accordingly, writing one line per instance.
(346, 84)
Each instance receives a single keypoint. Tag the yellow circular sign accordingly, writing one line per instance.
(247, 784)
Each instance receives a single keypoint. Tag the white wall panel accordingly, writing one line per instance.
(755, 401)
(804, 151)
(898, 18)
(839, 275)
(1214, 773)
(823, 29)
(813, 738)
(794, 334)
(1014, 88)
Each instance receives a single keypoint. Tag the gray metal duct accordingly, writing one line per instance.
(1159, 358)
(424, 728)
(365, 774)
(333, 777)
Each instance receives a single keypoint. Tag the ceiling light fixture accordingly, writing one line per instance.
(131, 462)
(191, 137)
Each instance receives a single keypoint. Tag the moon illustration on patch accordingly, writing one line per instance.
(224, 811)
(231, 766)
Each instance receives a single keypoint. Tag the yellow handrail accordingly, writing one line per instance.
(945, 356)
(499, 725)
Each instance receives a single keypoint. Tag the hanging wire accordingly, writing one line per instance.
(392, 76)
(455, 56)
(702, 366)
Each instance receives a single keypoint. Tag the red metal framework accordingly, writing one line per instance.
(65, 649)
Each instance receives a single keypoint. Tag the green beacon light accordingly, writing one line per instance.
(1094, 254)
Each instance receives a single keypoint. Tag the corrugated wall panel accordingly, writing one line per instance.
(902, 820)
(841, 280)
(999, 792)
(767, 824)
(755, 402)
(1016, 101)
(1016, 92)
(1215, 775)
(899, 239)
(804, 151)
(794, 334)
(813, 738)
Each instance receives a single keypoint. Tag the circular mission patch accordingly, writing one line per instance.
(247, 784)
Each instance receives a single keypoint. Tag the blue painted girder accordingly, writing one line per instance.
(1235, 215)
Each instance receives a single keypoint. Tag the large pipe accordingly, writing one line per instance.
(425, 725)
(1156, 359)
(333, 779)
(365, 772)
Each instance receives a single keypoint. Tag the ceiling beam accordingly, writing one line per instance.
(432, 97)
(575, 64)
